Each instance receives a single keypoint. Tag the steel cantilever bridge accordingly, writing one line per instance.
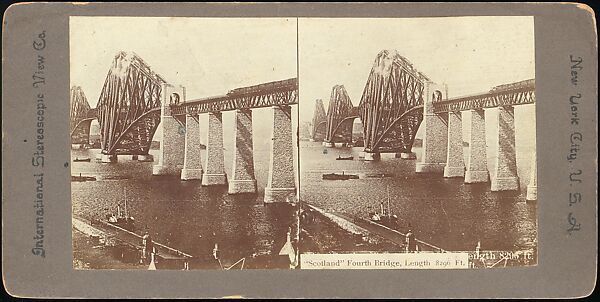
(392, 103)
(135, 101)
(397, 99)
(129, 106)
(81, 115)
(391, 107)
(340, 117)
(128, 109)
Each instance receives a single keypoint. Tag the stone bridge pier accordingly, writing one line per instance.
(214, 165)
(455, 164)
(281, 181)
(192, 161)
(504, 176)
(532, 187)
(406, 155)
(435, 136)
(171, 153)
(242, 179)
(477, 163)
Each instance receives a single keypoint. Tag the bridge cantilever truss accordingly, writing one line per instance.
(278, 93)
(319, 122)
(129, 106)
(81, 116)
(391, 107)
(340, 116)
(518, 93)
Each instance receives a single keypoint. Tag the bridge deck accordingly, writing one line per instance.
(518, 93)
(275, 93)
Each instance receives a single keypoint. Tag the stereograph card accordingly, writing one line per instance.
(310, 150)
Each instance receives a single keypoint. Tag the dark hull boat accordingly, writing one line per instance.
(82, 178)
(382, 175)
(343, 176)
(123, 222)
(385, 216)
(345, 157)
(87, 159)
(122, 218)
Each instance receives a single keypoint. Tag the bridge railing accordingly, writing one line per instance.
(518, 93)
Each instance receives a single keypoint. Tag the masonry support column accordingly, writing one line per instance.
(242, 179)
(435, 137)
(455, 164)
(192, 161)
(532, 186)
(214, 164)
(145, 158)
(477, 164)
(372, 156)
(108, 158)
(281, 182)
(172, 143)
(406, 155)
(505, 176)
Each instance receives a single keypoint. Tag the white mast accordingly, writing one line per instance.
(388, 202)
(126, 214)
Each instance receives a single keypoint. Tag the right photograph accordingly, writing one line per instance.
(417, 140)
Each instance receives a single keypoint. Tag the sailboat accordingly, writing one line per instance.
(122, 219)
(152, 266)
(385, 216)
(288, 249)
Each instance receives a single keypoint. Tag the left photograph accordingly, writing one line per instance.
(184, 143)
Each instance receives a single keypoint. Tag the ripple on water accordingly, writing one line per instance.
(445, 212)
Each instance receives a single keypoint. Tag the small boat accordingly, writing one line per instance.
(115, 177)
(82, 178)
(87, 159)
(380, 175)
(385, 216)
(122, 218)
(343, 176)
(344, 157)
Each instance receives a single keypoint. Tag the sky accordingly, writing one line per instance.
(208, 56)
(469, 54)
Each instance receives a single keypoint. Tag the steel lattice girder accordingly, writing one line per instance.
(319, 120)
(518, 93)
(340, 108)
(401, 135)
(79, 107)
(342, 133)
(276, 93)
(394, 88)
(131, 90)
(136, 139)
